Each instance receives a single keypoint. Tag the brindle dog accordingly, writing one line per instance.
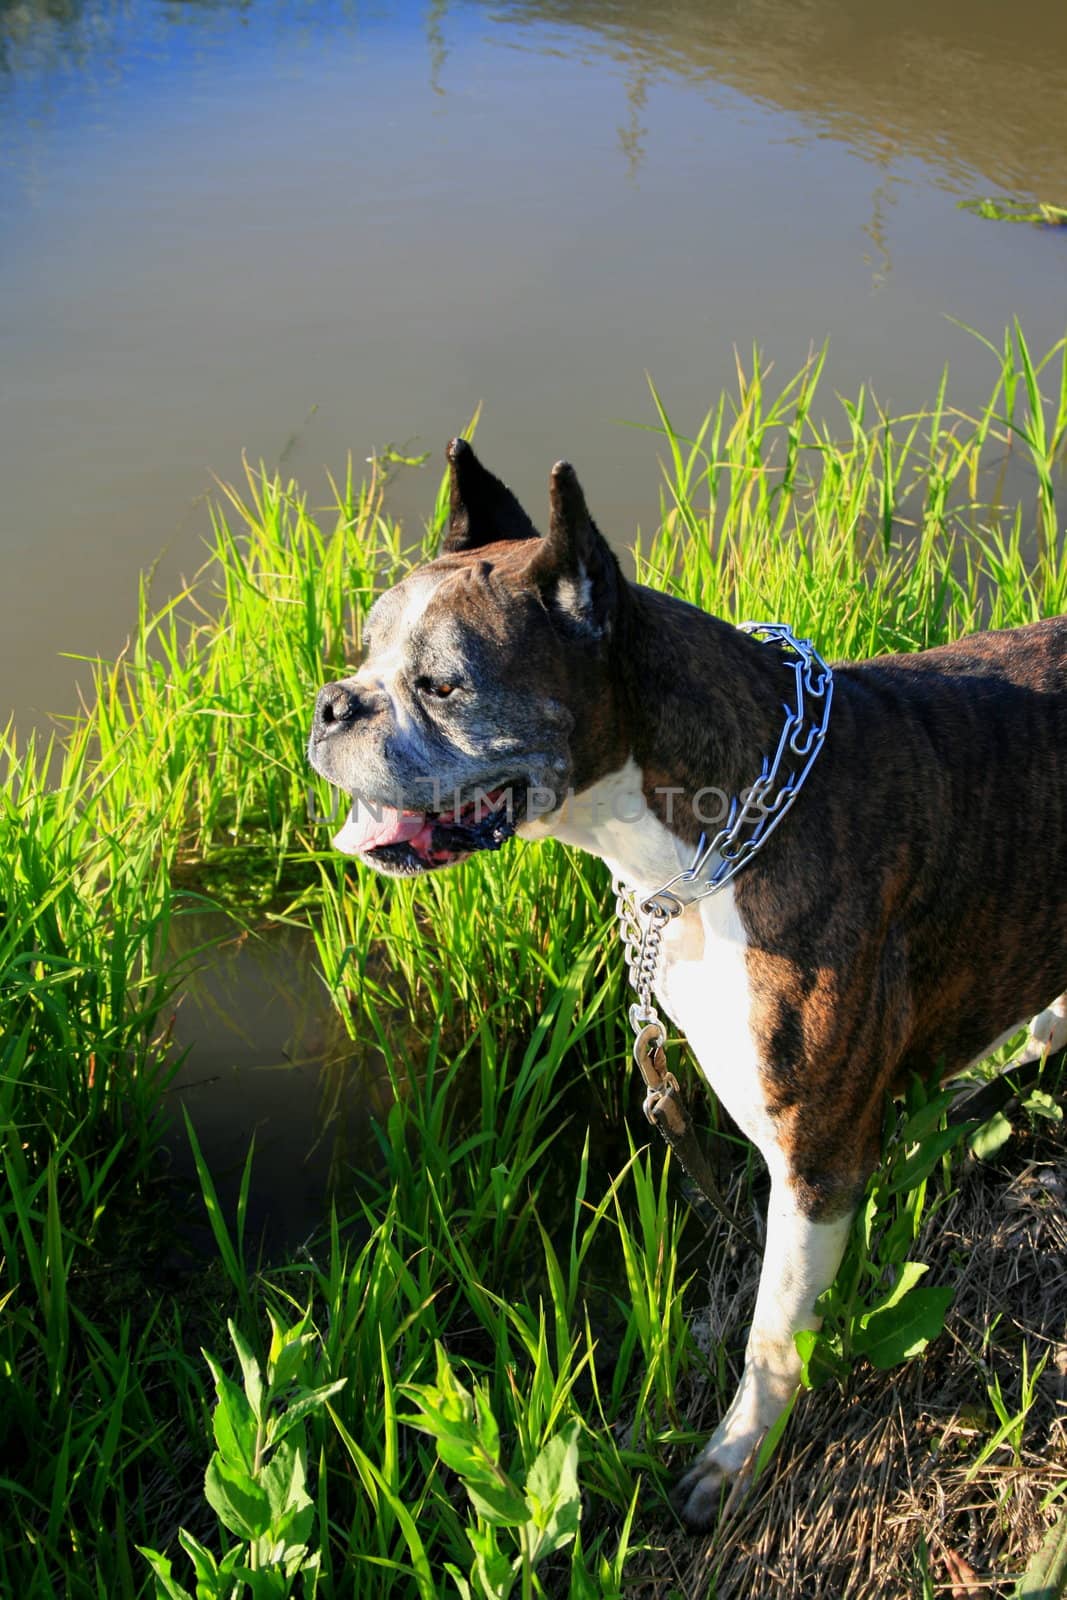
(905, 915)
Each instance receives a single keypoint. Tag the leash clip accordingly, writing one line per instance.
(651, 1059)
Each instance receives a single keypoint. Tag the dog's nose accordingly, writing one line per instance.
(337, 707)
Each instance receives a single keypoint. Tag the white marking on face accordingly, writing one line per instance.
(384, 668)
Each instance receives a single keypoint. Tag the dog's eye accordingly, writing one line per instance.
(440, 689)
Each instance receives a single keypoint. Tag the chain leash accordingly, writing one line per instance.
(664, 1105)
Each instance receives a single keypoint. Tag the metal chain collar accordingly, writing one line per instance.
(751, 819)
(755, 813)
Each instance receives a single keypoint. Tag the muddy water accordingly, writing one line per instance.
(293, 230)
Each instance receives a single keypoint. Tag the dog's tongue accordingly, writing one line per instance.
(369, 827)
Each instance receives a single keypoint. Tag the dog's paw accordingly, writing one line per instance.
(700, 1494)
(710, 1488)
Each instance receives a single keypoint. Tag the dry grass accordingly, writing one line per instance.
(872, 1495)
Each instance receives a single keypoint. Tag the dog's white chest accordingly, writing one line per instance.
(703, 983)
(705, 990)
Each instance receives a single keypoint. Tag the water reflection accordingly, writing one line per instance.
(267, 1055)
(973, 85)
(970, 84)
(41, 36)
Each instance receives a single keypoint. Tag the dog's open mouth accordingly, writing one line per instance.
(405, 842)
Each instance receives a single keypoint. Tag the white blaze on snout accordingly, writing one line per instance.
(385, 666)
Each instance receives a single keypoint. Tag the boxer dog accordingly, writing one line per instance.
(903, 917)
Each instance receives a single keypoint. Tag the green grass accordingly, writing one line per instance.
(552, 1279)
(1040, 213)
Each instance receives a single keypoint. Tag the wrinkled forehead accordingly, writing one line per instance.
(395, 615)
(446, 602)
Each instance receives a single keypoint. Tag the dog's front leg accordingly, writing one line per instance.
(799, 1263)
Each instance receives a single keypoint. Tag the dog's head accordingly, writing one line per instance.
(486, 693)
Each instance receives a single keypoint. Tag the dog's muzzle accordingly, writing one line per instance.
(337, 708)
(391, 835)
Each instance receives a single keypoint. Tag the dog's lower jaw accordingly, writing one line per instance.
(409, 843)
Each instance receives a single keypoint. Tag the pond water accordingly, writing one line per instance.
(263, 1054)
(296, 229)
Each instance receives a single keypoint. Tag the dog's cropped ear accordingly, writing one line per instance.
(482, 510)
(574, 566)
